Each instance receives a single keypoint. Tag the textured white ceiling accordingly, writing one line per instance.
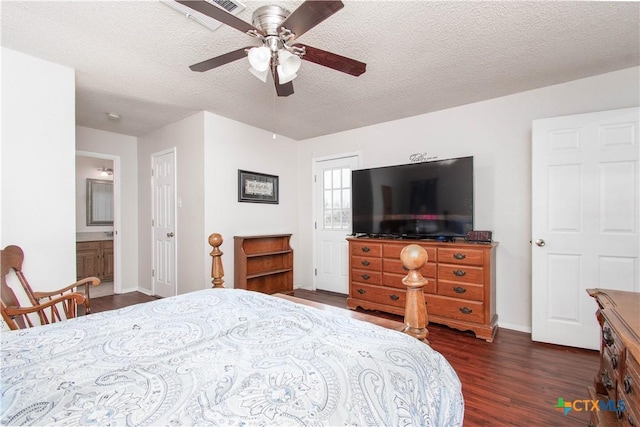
(132, 58)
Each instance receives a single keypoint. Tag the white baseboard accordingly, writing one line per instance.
(513, 327)
(128, 290)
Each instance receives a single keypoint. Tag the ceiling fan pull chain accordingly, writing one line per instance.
(274, 115)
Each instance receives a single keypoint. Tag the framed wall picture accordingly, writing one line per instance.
(257, 187)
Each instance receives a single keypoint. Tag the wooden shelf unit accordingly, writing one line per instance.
(264, 263)
(461, 292)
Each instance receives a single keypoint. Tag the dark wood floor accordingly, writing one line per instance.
(510, 382)
(111, 302)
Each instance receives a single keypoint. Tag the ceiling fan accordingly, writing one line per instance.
(277, 29)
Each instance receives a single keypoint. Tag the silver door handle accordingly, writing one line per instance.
(170, 234)
(540, 242)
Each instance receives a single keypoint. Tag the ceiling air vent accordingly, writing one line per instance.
(232, 6)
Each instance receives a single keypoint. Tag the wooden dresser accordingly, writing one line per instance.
(618, 379)
(461, 292)
(263, 263)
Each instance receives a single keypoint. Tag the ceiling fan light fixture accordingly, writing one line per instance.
(277, 29)
(262, 75)
(284, 77)
(104, 171)
(289, 62)
(259, 58)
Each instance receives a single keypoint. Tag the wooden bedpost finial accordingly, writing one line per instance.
(413, 257)
(217, 271)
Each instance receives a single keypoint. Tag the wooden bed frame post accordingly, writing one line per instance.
(217, 271)
(413, 257)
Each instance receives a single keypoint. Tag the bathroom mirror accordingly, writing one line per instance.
(99, 202)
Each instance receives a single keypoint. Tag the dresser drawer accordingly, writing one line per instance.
(366, 263)
(393, 251)
(454, 308)
(395, 266)
(461, 273)
(629, 384)
(87, 246)
(461, 256)
(395, 281)
(378, 294)
(630, 417)
(611, 342)
(366, 276)
(461, 290)
(608, 376)
(370, 249)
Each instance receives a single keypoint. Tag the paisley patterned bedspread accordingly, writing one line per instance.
(224, 357)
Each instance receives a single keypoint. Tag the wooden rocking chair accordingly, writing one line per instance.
(17, 317)
(58, 302)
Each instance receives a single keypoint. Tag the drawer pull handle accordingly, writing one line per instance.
(628, 388)
(614, 361)
(458, 255)
(394, 297)
(365, 276)
(605, 378)
(459, 273)
(630, 419)
(365, 263)
(465, 310)
(459, 290)
(362, 291)
(365, 249)
(607, 336)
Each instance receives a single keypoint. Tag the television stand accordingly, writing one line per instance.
(461, 288)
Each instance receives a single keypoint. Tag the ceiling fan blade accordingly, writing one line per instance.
(221, 15)
(282, 90)
(309, 14)
(332, 60)
(220, 60)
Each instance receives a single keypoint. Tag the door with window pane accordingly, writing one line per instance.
(332, 223)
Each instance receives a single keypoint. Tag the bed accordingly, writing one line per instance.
(230, 357)
(223, 357)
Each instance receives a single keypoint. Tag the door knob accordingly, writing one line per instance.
(170, 234)
(540, 242)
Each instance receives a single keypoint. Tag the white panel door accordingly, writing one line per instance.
(585, 209)
(332, 223)
(164, 224)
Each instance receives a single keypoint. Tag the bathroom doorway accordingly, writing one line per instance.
(97, 220)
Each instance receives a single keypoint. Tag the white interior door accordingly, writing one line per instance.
(164, 224)
(585, 202)
(332, 189)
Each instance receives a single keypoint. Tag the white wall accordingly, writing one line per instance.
(187, 136)
(498, 134)
(38, 167)
(38, 207)
(87, 168)
(229, 146)
(125, 149)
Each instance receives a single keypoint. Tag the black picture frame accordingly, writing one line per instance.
(255, 187)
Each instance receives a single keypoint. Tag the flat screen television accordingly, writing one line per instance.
(418, 200)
